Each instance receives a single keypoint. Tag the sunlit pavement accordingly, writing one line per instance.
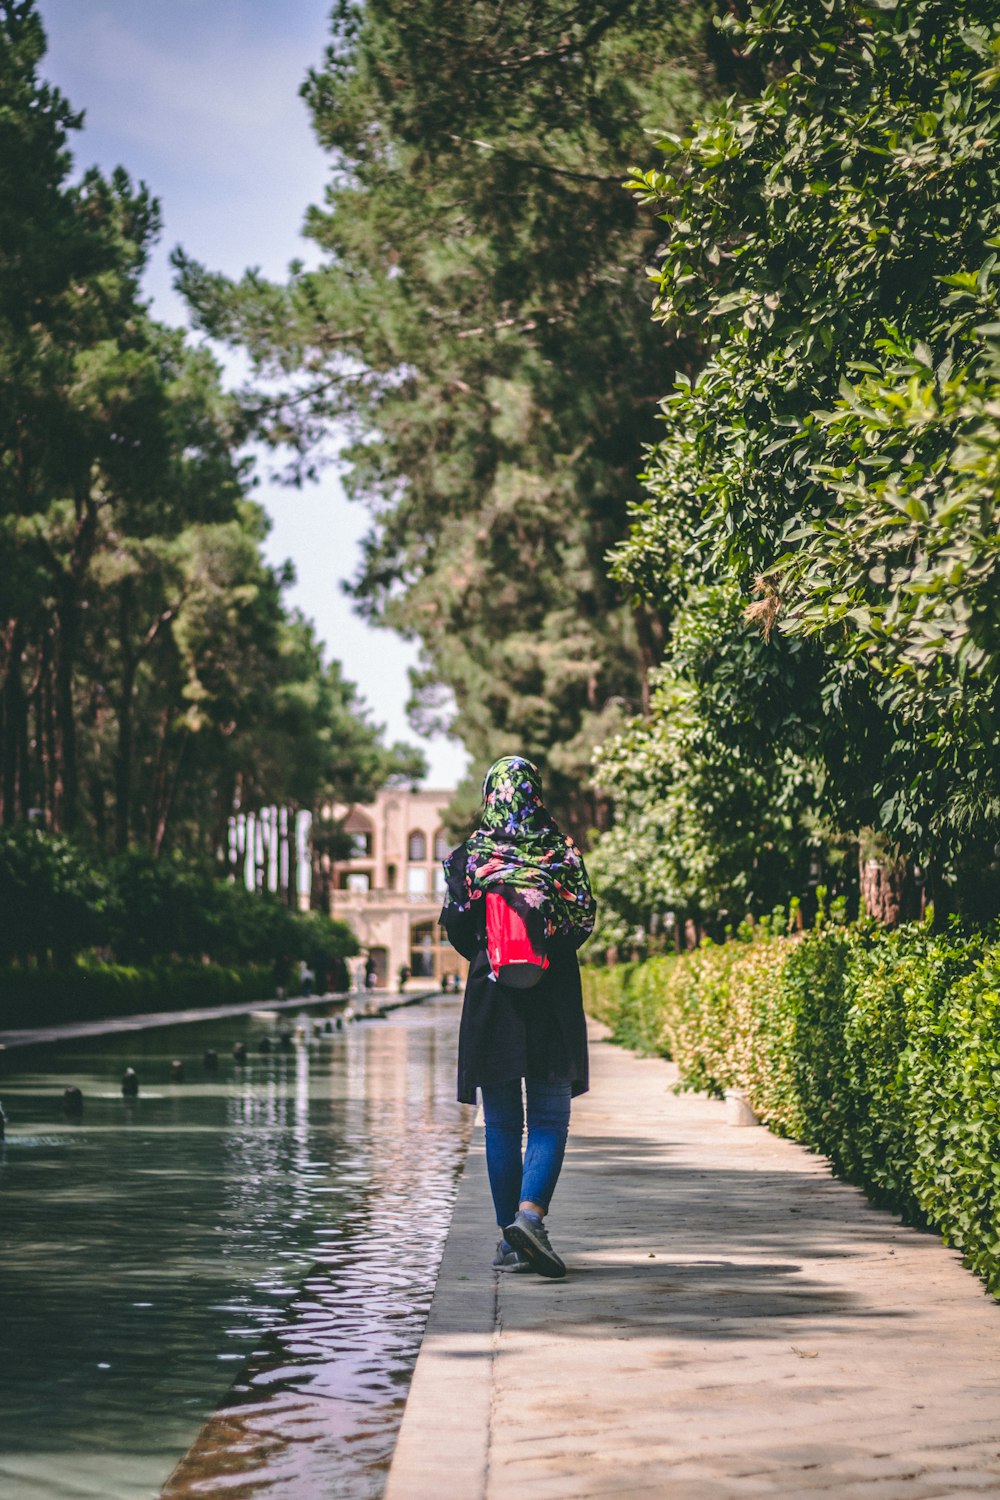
(735, 1322)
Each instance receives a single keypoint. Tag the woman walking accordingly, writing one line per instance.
(521, 1047)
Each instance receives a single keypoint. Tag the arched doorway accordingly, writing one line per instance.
(378, 959)
(422, 950)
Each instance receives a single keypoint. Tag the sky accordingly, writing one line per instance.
(199, 99)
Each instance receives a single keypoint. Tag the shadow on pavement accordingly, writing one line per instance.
(655, 1247)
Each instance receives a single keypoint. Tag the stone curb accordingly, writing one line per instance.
(443, 1443)
(69, 1030)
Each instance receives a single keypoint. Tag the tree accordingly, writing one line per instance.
(73, 378)
(152, 678)
(838, 446)
(717, 817)
(479, 331)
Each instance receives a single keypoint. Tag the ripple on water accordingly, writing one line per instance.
(142, 1260)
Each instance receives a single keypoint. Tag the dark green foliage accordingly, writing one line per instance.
(161, 908)
(832, 466)
(89, 992)
(714, 820)
(823, 1072)
(53, 901)
(479, 326)
(897, 1064)
(153, 680)
(879, 1049)
(61, 912)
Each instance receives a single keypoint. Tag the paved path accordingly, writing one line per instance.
(736, 1323)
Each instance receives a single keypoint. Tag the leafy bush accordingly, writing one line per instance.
(53, 902)
(620, 996)
(879, 1049)
(162, 907)
(323, 940)
(604, 991)
(36, 997)
(177, 936)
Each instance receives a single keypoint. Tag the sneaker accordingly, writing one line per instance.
(528, 1234)
(509, 1259)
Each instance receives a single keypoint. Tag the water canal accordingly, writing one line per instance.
(221, 1285)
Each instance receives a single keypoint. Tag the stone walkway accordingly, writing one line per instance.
(735, 1323)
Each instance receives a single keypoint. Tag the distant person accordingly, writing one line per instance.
(371, 975)
(521, 1044)
(306, 979)
(404, 974)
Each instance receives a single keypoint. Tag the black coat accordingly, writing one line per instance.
(506, 1033)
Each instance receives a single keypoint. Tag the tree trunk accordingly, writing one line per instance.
(68, 582)
(292, 844)
(167, 803)
(315, 877)
(123, 764)
(24, 780)
(98, 793)
(123, 753)
(224, 841)
(156, 784)
(319, 892)
(13, 711)
(65, 800)
(650, 636)
(65, 792)
(47, 751)
(890, 891)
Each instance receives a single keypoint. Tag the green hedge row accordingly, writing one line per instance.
(879, 1049)
(85, 992)
(59, 902)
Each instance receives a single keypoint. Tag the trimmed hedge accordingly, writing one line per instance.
(59, 902)
(879, 1049)
(88, 992)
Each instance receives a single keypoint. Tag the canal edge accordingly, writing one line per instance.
(443, 1442)
(371, 1008)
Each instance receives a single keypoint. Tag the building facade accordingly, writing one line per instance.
(391, 888)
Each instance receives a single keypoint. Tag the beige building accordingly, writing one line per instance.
(391, 889)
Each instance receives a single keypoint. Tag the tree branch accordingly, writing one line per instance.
(567, 46)
(537, 166)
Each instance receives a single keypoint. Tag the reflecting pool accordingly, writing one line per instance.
(220, 1286)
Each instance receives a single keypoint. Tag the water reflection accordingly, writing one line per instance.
(242, 1261)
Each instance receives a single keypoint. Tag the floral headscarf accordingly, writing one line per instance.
(518, 846)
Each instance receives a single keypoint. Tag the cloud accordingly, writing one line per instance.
(222, 96)
(201, 101)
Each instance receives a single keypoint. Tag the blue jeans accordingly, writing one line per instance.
(533, 1179)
